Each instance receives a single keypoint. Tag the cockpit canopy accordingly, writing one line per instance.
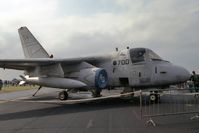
(143, 54)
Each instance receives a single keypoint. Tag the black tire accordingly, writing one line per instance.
(63, 95)
(154, 98)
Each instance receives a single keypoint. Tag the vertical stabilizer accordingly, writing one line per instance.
(31, 47)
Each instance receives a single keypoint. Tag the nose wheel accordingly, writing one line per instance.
(63, 95)
(154, 97)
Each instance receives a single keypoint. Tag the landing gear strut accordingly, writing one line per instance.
(63, 95)
(96, 93)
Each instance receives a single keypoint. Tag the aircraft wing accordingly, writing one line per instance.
(25, 64)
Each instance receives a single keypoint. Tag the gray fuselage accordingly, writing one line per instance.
(141, 67)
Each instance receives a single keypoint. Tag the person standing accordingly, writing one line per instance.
(1, 84)
(195, 79)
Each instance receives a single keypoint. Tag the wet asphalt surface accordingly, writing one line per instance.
(22, 113)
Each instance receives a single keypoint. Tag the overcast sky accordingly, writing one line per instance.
(73, 28)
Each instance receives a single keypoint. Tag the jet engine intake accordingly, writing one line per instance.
(94, 77)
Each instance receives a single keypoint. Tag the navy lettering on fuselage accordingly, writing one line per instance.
(121, 62)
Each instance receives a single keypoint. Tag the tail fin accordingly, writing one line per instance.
(31, 47)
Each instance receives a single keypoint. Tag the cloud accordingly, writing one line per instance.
(73, 28)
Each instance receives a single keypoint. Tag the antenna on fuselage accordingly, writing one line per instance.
(116, 49)
(51, 56)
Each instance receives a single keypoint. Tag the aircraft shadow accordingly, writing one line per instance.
(68, 109)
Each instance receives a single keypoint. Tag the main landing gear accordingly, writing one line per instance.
(63, 95)
(96, 93)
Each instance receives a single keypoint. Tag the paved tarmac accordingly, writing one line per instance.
(25, 114)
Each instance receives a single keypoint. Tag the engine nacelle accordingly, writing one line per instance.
(94, 77)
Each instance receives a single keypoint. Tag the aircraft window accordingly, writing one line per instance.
(139, 74)
(153, 56)
(137, 55)
(156, 70)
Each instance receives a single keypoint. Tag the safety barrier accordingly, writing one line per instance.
(158, 103)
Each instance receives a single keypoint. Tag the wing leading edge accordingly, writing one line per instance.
(25, 64)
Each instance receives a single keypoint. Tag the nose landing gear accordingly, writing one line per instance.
(154, 97)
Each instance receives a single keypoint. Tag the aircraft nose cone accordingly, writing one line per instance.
(171, 74)
(181, 74)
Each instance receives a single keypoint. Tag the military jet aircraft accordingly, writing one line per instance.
(134, 68)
